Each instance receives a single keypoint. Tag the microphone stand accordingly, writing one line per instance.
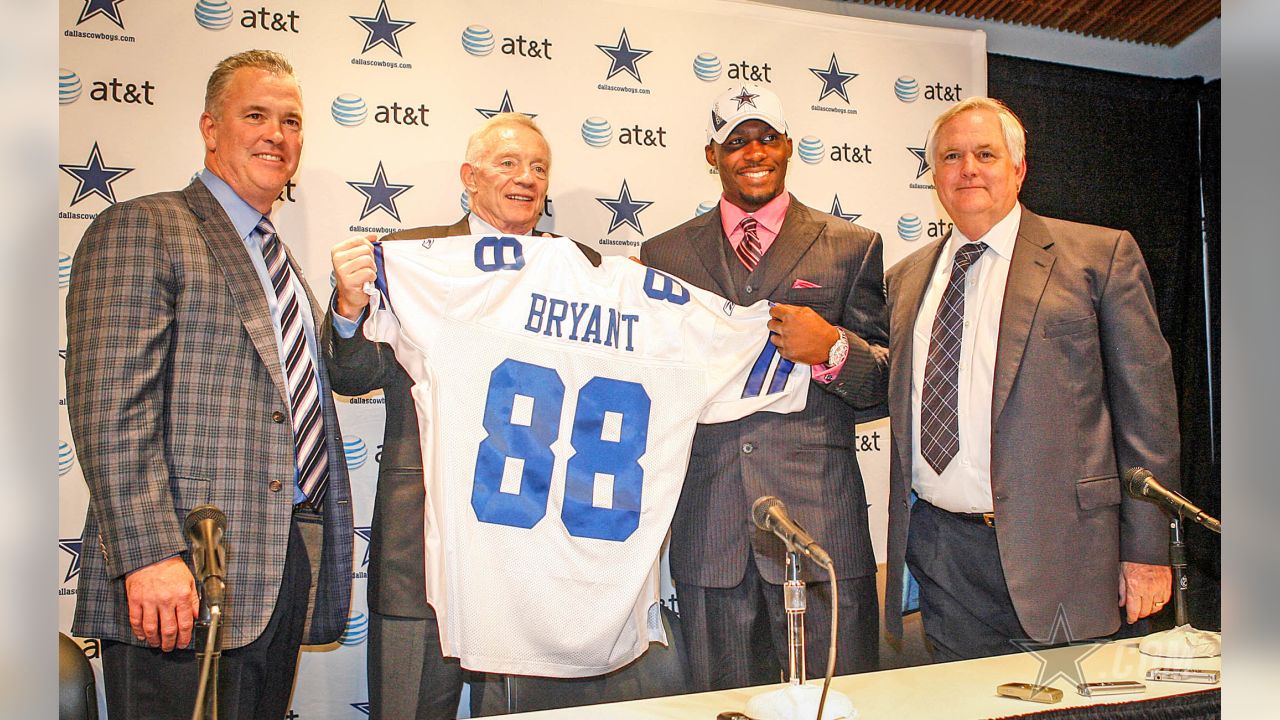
(1183, 641)
(208, 652)
(1178, 561)
(794, 604)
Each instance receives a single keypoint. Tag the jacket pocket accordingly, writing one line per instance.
(811, 296)
(1098, 492)
(1070, 327)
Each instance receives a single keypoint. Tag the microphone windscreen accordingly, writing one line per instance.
(205, 512)
(760, 510)
(1135, 480)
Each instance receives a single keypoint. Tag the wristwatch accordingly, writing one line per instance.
(839, 351)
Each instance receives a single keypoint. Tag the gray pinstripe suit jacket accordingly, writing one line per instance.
(173, 378)
(807, 458)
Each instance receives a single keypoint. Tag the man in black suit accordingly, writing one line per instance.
(826, 273)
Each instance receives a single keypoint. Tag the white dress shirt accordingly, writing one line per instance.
(965, 484)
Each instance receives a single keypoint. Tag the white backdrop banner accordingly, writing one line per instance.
(392, 90)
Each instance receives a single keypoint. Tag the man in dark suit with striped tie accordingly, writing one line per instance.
(761, 242)
(194, 377)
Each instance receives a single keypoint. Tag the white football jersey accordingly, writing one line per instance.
(557, 403)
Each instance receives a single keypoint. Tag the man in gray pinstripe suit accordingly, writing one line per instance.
(761, 242)
(178, 395)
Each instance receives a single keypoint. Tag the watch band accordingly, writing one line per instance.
(839, 351)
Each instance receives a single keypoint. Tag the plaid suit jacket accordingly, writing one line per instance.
(173, 379)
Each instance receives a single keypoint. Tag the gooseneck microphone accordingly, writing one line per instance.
(204, 527)
(770, 515)
(1142, 484)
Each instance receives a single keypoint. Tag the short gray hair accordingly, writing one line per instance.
(216, 91)
(1015, 136)
(479, 143)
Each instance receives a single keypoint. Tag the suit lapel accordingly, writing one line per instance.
(1028, 275)
(909, 294)
(706, 239)
(798, 233)
(230, 252)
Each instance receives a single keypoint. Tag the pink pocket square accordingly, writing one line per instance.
(799, 283)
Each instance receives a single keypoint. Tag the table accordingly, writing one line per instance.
(963, 689)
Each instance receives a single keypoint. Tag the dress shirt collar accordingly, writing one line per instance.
(770, 216)
(244, 217)
(1000, 239)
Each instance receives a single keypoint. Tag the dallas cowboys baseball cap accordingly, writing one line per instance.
(740, 103)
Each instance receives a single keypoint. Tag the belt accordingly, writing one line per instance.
(988, 519)
(306, 507)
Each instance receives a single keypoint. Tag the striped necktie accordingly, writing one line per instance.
(311, 457)
(748, 250)
(939, 398)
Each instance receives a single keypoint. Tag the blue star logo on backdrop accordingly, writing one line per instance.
(109, 8)
(840, 213)
(745, 98)
(365, 532)
(1066, 664)
(72, 547)
(624, 209)
(94, 177)
(382, 29)
(504, 107)
(833, 80)
(919, 152)
(623, 57)
(379, 193)
(362, 707)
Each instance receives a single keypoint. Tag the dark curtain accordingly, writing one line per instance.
(1133, 152)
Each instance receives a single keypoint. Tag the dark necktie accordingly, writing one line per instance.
(939, 419)
(748, 250)
(311, 457)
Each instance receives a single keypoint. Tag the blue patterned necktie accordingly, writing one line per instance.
(939, 417)
(311, 457)
(748, 251)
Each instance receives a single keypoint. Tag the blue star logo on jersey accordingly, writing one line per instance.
(382, 29)
(840, 213)
(833, 80)
(362, 707)
(504, 107)
(94, 177)
(623, 57)
(745, 98)
(365, 533)
(72, 547)
(109, 8)
(625, 210)
(924, 161)
(379, 193)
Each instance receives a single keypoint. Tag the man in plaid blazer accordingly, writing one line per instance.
(178, 396)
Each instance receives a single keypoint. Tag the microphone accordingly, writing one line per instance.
(203, 527)
(1142, 484)
(770, 515)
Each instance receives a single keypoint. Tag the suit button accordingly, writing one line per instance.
(750, 289)
(277, 417)
(748, 448)
(274, 486)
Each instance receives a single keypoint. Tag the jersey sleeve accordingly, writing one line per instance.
(744, 371)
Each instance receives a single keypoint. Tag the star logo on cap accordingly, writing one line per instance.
(109, 8)
(380, 194)
(382, 29)
(833, 80)
(94, 177)
(504, 107)
(919, 152)
(623, 57)
(840, 213)
(745, 98)
(625, 210)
